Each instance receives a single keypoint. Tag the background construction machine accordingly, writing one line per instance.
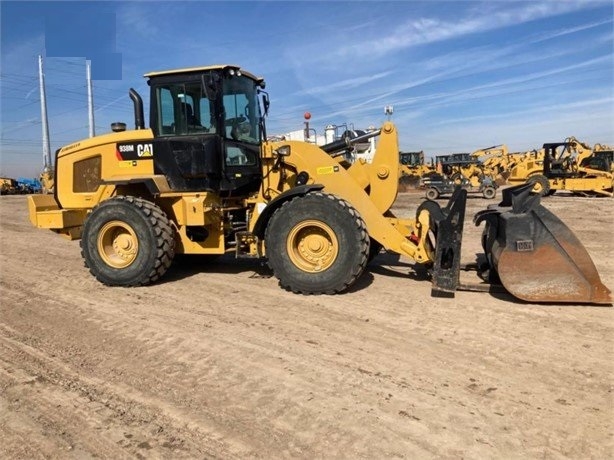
(574, 174)
(412, 164)
(526, 165)
(47, 180)
(571, 166)
(413, 168)
(497, 161)
(204, 180)
(19, 186)
(8, 186)
(602, 159)
(28, 185)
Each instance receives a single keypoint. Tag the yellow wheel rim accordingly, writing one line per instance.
(118, 245)
(537, 187)
(312, 246)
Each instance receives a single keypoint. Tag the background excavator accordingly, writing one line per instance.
(202, 179)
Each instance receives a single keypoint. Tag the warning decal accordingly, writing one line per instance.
(323, 170)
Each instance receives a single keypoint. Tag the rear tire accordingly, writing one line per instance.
(432, 194)
(541, 184)
(317, 244)
(127, 241)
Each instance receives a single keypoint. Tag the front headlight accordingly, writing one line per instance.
(283, 151)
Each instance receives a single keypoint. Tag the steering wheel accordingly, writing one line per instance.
(235, 121)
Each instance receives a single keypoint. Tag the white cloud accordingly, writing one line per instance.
(430, 29)
(139, 19)
(342, 85)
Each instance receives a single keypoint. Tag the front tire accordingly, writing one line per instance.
(127, 241)
(317, 244)
(541, 184)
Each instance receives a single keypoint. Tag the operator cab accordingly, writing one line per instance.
(411, 158)
(208, 128)
(560, 160)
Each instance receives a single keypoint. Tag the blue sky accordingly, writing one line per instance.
(461, 75)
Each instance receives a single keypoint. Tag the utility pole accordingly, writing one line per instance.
(46, 147)
(90, 98)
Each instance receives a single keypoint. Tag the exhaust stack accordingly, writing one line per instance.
(139, 119)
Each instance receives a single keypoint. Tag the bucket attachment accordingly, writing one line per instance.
(447, 224)
(535, 255)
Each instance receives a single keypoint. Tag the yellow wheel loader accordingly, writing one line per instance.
(413, 167)
(202, 179)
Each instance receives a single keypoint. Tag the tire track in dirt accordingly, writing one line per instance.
(130, 333)
(229, 365)
(93, 416)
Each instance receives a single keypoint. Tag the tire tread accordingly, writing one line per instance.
(165, 243)
(357, 270)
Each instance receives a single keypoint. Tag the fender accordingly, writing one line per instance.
(156, 184)
(275, 203)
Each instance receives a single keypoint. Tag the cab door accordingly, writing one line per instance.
(187, 148)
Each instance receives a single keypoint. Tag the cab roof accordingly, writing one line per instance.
(202, 69)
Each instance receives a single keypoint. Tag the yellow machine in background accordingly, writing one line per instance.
(570, 165)
(47, 180)
(8, 186)
(204, 180)
(494, 160)
(413, 168)
(601, 159)
(499, 162)
(412, 164)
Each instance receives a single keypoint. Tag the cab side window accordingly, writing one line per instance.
(206, 117)
(166, 112)
(183, 109)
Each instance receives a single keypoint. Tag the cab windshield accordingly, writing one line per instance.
(241, 109)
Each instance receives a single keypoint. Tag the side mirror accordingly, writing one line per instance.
(210, 85)
(265, 102)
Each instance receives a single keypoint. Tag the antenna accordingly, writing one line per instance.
(90, 98)
(45, 123)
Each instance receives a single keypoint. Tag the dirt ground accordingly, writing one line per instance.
(216, 361)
